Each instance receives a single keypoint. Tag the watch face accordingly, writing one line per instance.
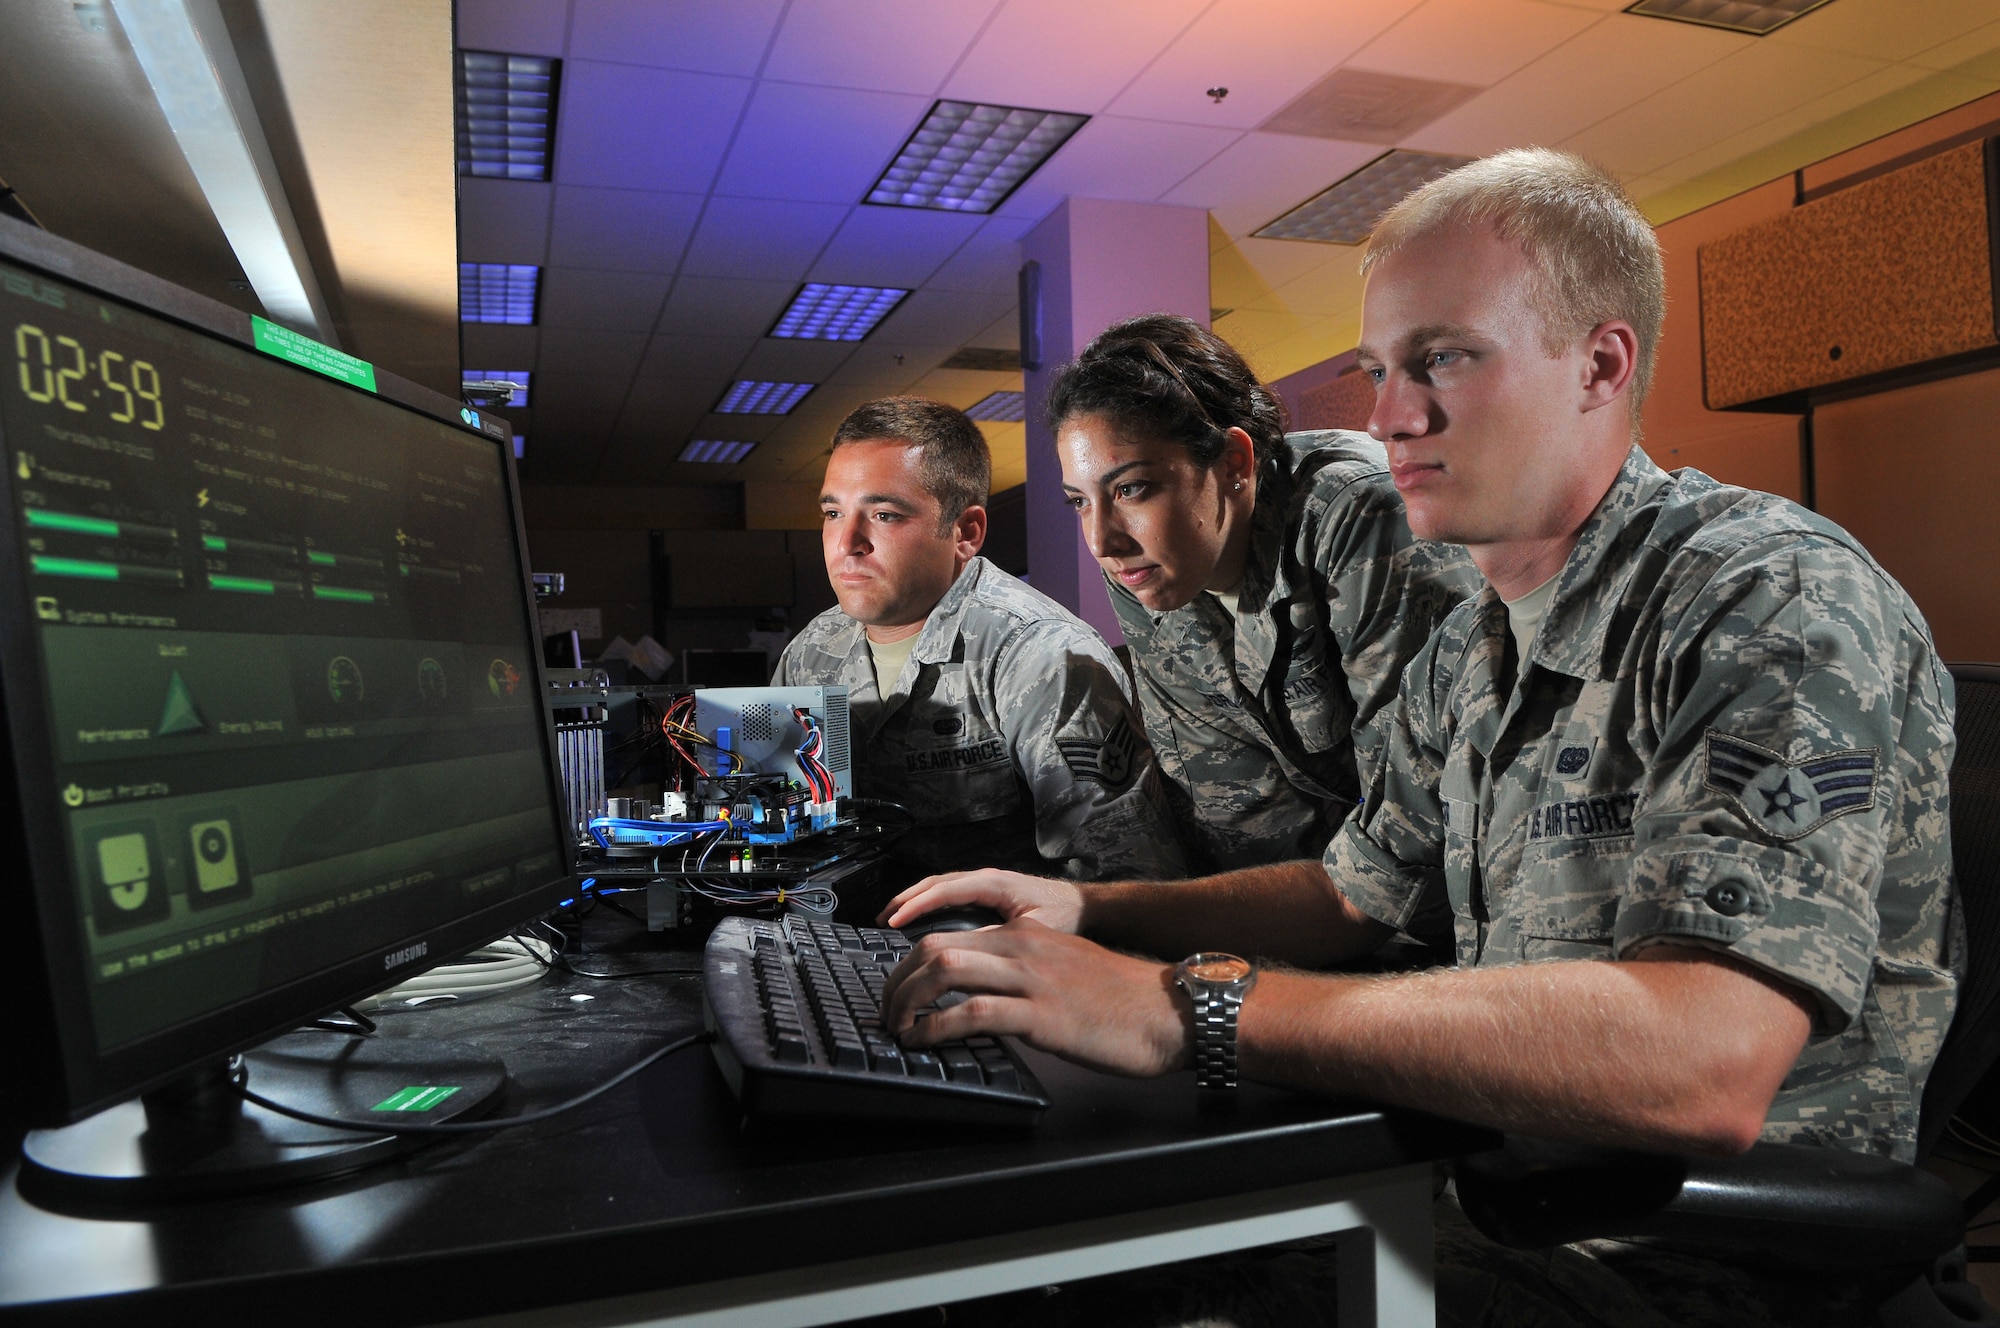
(1216, 968)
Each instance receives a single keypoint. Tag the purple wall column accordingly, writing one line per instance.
(1101, 261)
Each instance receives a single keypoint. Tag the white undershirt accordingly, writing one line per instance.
(889, 660)
(1524, 615)
(1228, 598)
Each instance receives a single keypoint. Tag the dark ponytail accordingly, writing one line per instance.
(1169, 377)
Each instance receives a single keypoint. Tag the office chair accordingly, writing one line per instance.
(1821, 1207)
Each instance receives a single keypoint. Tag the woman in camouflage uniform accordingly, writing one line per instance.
(1267, 584)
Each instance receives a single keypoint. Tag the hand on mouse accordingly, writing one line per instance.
(1058, 993)
(1056, 904)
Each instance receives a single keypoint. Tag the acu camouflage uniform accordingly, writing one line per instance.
(1262, 719)
(1731, 731)
(1010, 736)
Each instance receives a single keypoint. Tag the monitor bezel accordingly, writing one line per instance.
(62, 1076)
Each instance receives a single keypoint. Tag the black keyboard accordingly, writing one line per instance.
(795, 1003)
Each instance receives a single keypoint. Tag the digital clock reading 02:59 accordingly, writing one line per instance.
(56, 370)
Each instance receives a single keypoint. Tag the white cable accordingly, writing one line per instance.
(503, 965)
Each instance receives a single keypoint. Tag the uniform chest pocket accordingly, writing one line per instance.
(1564, 904)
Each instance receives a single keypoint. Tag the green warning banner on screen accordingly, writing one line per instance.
(307, 353)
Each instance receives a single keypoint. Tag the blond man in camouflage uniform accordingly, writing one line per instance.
(1268, 585)
(1690, 830)
(1000, 720)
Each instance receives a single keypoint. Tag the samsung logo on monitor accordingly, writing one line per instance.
(409, 953)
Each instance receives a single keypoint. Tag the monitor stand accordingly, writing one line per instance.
(196, 1138)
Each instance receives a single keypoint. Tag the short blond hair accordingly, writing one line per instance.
(1593, 253)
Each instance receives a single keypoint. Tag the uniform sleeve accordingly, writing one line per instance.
(1802, 734)
(1388, 856)
(1074, 735)
(1385, 592)
(782, 673)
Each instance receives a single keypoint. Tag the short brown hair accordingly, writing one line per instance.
(953, 462)
(1593, 253)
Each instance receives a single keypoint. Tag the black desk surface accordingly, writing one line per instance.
(660, 1182)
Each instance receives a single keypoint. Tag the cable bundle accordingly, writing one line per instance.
(818, 778)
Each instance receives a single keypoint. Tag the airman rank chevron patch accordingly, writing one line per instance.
(1110, 762)
(1790, 799)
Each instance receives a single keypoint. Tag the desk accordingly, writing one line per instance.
(657, 1204)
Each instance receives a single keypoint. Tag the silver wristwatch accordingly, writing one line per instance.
(1217, 984)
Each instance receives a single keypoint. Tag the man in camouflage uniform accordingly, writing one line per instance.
(1691, 831)
(1262, 759)
(1007, 730)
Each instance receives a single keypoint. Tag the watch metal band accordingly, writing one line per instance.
(1215, 1038)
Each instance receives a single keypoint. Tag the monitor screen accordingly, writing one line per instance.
(271, 683)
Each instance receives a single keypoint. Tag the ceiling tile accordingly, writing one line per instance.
(880, 246)
(1003, 333)
(757, 237)
(1263, 176)
(720, 307)
(634, 230)
(1251, 270)
(710, 36)
(821, 144)
(611, 301)
(668, 423)
(885, 367)
(1948, 55)
(705, 358)
(1472, 41)
(666, 399)
(1265, 52)
(493, 345)
(1598, 73)
(502, 221)
(1057, 55)
(518, 27)
(1130, 160)
(943, 318)
(636, 128)
(989, 261)
(888, 45)
(1886, 31)
(1731, 95)
(577, 355)
(795, 361)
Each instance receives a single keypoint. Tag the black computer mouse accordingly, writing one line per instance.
(955, 917)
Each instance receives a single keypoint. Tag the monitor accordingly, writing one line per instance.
(274, 734)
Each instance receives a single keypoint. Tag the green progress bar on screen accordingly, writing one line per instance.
(253, 585)
(72, 524)
(344, 595)
(95, 571)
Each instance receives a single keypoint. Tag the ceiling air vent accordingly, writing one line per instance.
(1000, 406)
(986, 359)
(1347, 212)
(1755, 17)
(1365, 107)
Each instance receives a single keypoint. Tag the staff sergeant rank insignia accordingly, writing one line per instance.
(1110, 763)
(1790, 799)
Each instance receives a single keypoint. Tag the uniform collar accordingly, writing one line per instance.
(938, 642)
(1572, 634)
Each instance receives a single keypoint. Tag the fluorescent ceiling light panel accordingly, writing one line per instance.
(506, 114)
(1348, 211)
(1755, 17)
(820, 312)
(1009, 406)
(518, 377)
(967, 156)
(191, 64)
(716, 451)
(756, 398)
(498, 292)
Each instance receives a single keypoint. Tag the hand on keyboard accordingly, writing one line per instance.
(1058, 993)
(796, 1005)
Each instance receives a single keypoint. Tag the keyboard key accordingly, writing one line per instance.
(961, 1066)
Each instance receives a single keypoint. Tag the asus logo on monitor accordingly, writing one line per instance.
(397, 958)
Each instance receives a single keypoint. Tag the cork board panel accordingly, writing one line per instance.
(1890, 273)
(1344, 403)
(1929, 521)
